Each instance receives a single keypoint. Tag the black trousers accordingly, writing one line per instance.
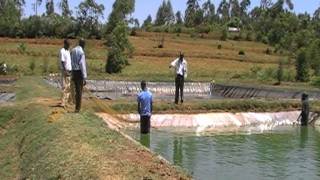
(179, 88)
(78, 84)
(145, 124)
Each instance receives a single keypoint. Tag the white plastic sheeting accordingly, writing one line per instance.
(216, 121)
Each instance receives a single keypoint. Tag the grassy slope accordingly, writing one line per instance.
(206, 61)
(38, 141)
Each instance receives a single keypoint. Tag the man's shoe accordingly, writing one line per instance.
(76, 111)
(181, 101)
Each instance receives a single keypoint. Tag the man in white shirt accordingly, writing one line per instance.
(181, 69)
(79, 72)
(65, 65)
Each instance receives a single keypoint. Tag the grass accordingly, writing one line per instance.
(205, 106)
(40, 141)
(206, 61)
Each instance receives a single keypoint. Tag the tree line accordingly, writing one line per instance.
(274, 23)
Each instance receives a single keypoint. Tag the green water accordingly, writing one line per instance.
(286, 153)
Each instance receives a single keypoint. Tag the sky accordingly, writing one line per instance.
(145, 7)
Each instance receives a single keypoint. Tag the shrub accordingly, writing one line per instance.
(219, 46)
(280, 72)
(12, 69)
(45, 66)
(265, 40)
(224, 34)
(22, 48)
(242, 53)
(302, 67)
(266, 74)
(133, 32)
(193, 35)
(315, 81)
(119, 48)
(249, 36)
(32, 66)
(268, 51)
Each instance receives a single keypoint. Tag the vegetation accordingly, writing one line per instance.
(206, 106)
(273, 23)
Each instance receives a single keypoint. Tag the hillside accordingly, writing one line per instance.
(207, 61)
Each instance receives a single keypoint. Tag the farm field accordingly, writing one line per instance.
(208, 59)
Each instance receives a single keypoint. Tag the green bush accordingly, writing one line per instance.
(22, 48)
(268, 51)
(224, 34)
(316, 81)
(242, 53)
(266, 74)
(302, 67)
(249, 36)
(119, 48)
(13, 69)
(45, 66)
(32, 66)
(280, 72)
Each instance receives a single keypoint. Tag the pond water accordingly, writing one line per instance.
(283, 153)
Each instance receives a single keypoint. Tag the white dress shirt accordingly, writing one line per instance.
(66, 59)
(181, 68)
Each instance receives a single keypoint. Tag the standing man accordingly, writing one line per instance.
(144, 108)
(65, 66)
(181, 68)
(305, 109)
(79, 72)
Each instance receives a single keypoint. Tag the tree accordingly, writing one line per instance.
(192, 13)
(179, 20)
(280, 72)
(165, 15)
(223, 11)
(49, 7)
(313, 55)
(279, 6)
(208, 12)
(224, 34)
(265, 4)
(244, 8)
(119, 48)
(10, 14)
(120, 10)
(64, 6)
(302, 66)
(316, 14)
(36, 4)
(147, 22)
(235, 8)
(88, 14)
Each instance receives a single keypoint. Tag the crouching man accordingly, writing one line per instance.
(144, 108)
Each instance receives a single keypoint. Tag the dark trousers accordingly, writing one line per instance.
(179, 88)
(145, 124)
(78, 84)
